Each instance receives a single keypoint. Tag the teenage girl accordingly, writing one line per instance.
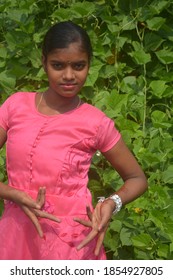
(50, 139)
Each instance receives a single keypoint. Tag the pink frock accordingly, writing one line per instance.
(55, 152)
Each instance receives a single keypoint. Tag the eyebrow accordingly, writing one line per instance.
(68, 62)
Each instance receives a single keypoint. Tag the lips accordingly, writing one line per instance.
(68, 86)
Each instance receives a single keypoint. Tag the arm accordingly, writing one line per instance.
(123, 161)
(3, 137)
(30, 206)
(135, 184)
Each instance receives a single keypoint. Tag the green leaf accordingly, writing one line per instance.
(1, 161)
(152, 41)
(171, 247)
(159, 6)
(127, 124)
(163, 251)
(61, 14)
(7, 81)
(83, 9)
(158, 87)
(93, 72)
(18, 15)
(125, 237)
(116, 225)
(76, 10)
(3, 52)
(113, 28)
(128, 23)
(100, 99)
(165, 56)
(167, 175)
(116, 101)
(140, 57)
(128, 84)
(111, 242)
(160, 119)
(155, 23)
(157, 219)
(142, 241)
(35, 58)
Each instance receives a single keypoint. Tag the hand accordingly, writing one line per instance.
(32, 208)
(99, 222)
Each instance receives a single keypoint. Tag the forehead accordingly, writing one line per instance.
(73, 52)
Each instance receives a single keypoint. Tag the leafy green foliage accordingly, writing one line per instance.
(131, 80)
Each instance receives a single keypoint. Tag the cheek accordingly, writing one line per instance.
(84, 75)
(53, 75)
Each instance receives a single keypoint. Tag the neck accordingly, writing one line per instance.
(53, 103)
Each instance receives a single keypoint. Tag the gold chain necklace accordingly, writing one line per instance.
(79, 103)
(41, 98)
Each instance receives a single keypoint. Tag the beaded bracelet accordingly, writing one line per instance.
(116, 199)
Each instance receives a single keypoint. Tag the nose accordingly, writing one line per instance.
(68, 73)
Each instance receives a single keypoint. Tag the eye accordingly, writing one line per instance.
(58, 65)
(78, 66)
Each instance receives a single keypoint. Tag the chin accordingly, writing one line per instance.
(68, 94)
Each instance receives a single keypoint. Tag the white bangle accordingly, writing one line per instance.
(116, 199)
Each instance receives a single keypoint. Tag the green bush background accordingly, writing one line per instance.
(131, 80)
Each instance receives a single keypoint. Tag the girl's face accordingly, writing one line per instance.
(67, 70)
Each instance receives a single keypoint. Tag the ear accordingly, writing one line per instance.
(44, 63)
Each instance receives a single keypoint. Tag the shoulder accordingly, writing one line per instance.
(20, 95)
(106, 133)
(93, 109)
(18, 99)
(93, 113)
(93, 116)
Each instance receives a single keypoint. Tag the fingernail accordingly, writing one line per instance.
(44, 236)
(96, 253)
(79, 247)
(99, 228)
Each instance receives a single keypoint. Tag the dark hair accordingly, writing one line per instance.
(64, 33)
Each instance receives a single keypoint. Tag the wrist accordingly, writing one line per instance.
(111, 204)
(115, 202)
(7, 192)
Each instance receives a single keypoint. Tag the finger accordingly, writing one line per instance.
(104, 221)
(28, 202)
(95, 222)
(34, 220)
(38, 195)
(43, 214)
(89, 237)
(83, 222)
(41, 196)
(89, 213)
(100, 241)
(97, 211)
(102, 225)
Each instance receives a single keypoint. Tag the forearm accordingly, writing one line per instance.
(6, 192)
(132, 189)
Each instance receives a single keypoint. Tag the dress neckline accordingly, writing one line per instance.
(58, 114)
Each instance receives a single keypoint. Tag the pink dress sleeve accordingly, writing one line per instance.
(107, 135)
